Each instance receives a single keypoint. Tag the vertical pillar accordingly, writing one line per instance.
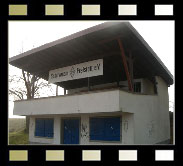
(128, 128)
(57, 125)
(125, 65)
(56, 90)
(131, 67)
(64, 91)
(84, 133)
(88, 84)
(155, 84)
(31, 129)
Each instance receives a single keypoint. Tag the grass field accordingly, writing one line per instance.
(17, 135)
(18, 138)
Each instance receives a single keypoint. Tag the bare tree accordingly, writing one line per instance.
(27, 86)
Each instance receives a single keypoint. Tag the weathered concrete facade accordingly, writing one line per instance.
(117, 89)
(144, 117)
(127, 132)
(77, 101)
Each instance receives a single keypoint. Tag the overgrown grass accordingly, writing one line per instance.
(18, 138)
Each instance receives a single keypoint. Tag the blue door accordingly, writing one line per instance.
(105, 129)
(71, 131)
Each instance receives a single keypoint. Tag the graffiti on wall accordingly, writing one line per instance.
(84, 131)
(125, 125)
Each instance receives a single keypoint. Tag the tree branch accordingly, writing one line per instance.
(18, 94)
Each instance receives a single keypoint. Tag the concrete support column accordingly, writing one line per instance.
(31, 128)
(57, 130)
(84, 137)
(128, 128)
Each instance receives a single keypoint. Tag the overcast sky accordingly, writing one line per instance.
(25, 35)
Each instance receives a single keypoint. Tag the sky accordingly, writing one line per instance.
(25, 35)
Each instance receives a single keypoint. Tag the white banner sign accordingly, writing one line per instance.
(82, 70)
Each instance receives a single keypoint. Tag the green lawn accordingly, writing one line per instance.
(18, 138)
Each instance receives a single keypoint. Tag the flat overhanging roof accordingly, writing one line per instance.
(95, 43)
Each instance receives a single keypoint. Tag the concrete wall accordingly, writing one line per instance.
(162, 115)
(151, 114)
(93, 102)
(127, 129)
(34, 139)
(147, 87)
(86, 102)
(145, 118)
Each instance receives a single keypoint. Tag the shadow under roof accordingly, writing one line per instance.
(97, 42)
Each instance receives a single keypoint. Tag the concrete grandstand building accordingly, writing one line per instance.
(117, 89)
